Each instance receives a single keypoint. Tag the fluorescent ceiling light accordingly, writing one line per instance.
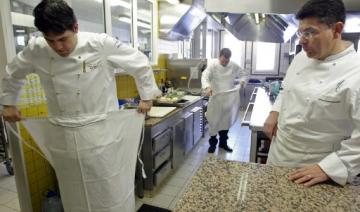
(263, 15)
(115, 3)
(139, 23)
(173, 1)
(20, 30)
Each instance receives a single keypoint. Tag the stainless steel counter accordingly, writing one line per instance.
(260, 110)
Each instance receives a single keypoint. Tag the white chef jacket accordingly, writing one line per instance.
(319, 116)
(79, 88)
(220, 78)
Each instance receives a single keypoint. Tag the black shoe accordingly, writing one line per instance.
(226, 148)
(211, 149)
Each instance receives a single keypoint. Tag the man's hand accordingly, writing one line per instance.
(309, 176)
(208, 91)
(11, 113)
(270, 124)
(144, 106)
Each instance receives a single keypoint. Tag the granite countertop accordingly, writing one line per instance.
(221, 185)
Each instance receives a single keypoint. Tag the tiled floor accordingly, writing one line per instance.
(167, 194)
(8, 195)
(172, 189)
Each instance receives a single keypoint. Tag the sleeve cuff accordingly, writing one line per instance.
(277, 104)
(149, 94)
(334, 168)
(205, 85)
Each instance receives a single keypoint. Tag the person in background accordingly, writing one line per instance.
(220, 76)
(315, 121)
(76, 70)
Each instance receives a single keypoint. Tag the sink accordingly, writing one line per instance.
(179, 103)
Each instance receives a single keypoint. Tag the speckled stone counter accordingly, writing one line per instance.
(221, 185)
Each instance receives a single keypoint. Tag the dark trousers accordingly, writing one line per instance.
(223, 136)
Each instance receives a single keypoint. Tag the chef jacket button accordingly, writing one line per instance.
(79, 57)
(51, 58)
(307, 99)
(297, 73)
(334, 64)
(78, 93)
(57, 93)
(299, 117)
(321, 81)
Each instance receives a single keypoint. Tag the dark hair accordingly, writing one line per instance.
(225, 52)
(54, 16)
(328, 11)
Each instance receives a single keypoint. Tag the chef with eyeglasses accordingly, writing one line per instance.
(315, 121)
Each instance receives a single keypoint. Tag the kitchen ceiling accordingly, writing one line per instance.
(270, 21)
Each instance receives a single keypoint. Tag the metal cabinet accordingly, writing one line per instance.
(160, 141)
(189, 127)
(178, 143)
(168, 140)
(197, 132)
(157, 152)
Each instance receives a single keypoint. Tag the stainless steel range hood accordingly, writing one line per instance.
(177, 22)
(248, 20)
(274, 28)
(265, 6)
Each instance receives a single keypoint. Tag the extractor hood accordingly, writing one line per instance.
(271, 21)
(177, 21)
(274, 28)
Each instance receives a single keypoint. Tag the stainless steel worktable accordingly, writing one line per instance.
(221, 185)
(260, 111)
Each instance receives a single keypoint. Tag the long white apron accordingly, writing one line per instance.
(292, 151)
(95, 163)
(223, 110)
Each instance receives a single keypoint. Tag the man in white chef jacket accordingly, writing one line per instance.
(219, 76)
(76, 70)
(315, 121)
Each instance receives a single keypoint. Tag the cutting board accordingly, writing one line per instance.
(190, 98)
(160, 111)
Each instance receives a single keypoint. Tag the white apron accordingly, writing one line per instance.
(223, 110)
(95, 163)
(292, 151)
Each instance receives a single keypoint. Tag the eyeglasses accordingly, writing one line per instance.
(310, 32)
(307, 34)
